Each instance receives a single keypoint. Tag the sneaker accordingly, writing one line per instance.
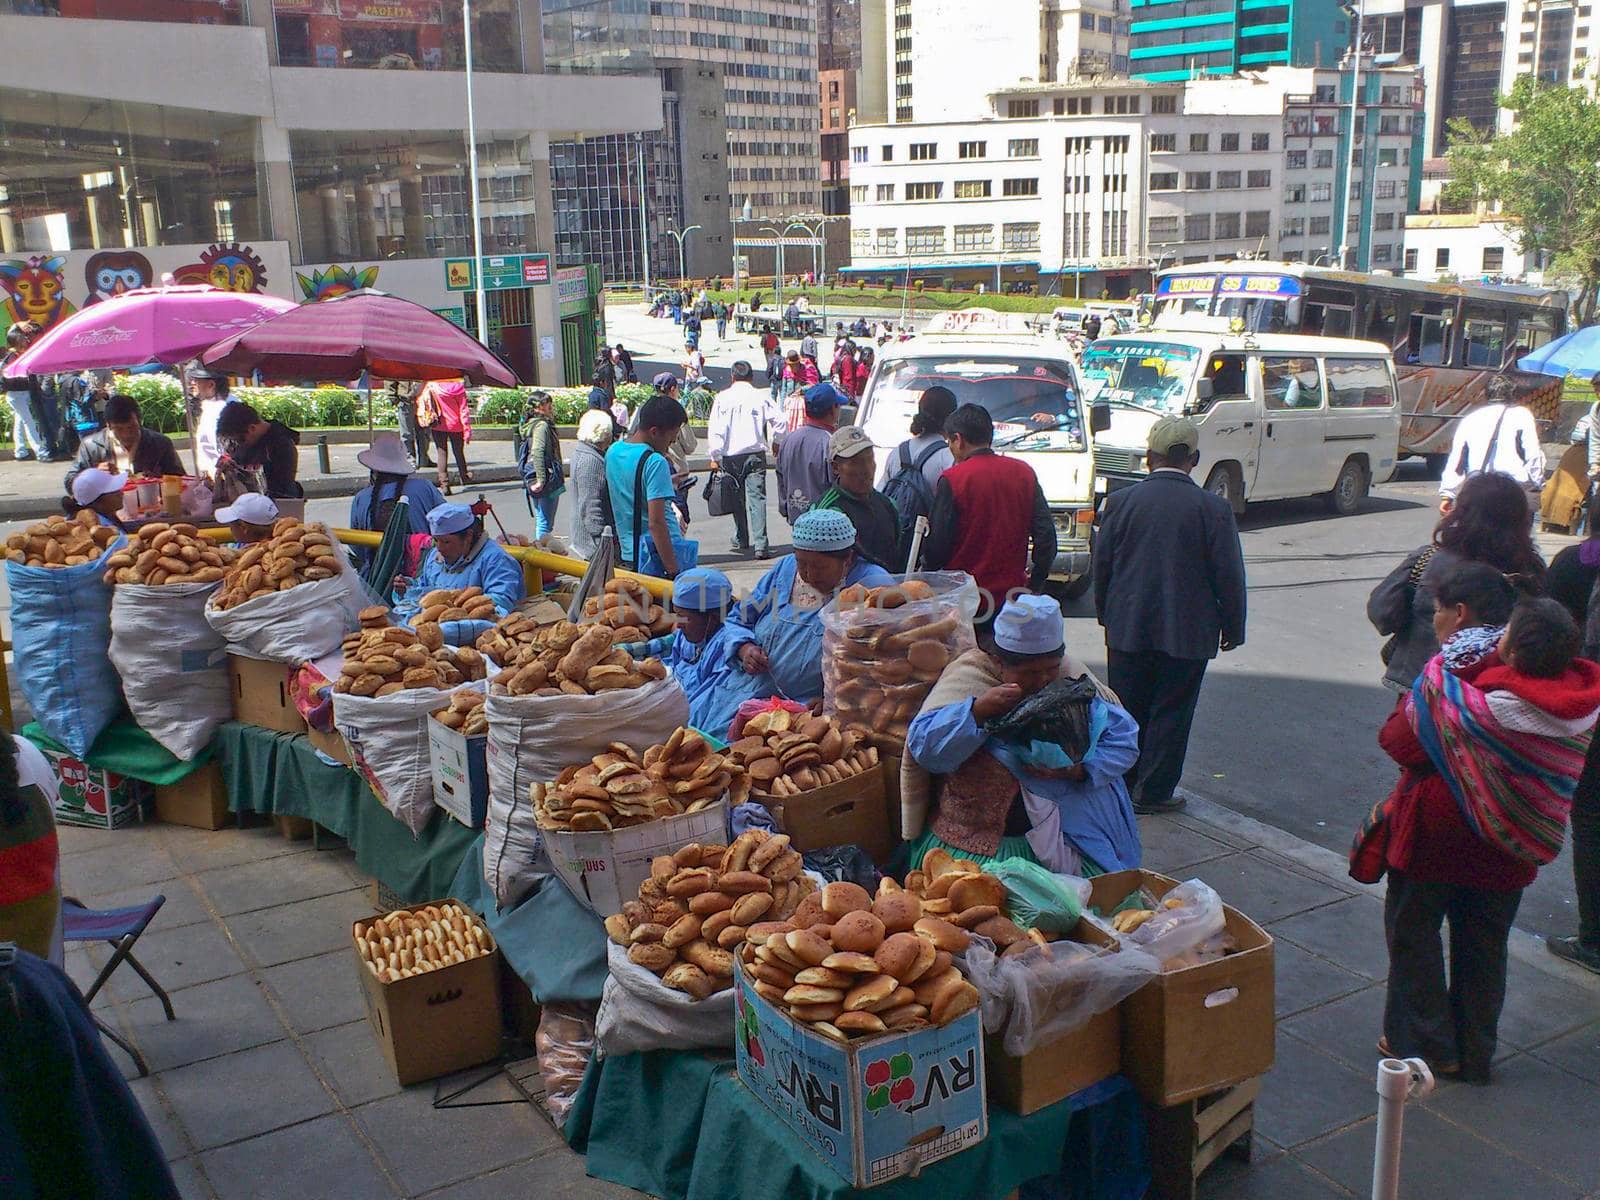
(23, 456)
(1154, 807)
(737, 548)
(763, 555)
(1572, 950)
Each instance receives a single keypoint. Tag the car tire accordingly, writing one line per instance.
(1226, 482)
(1349, 490)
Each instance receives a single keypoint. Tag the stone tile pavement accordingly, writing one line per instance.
(270, 1083)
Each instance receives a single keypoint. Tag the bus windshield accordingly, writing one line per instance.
(1034, 401)
(1142, 374)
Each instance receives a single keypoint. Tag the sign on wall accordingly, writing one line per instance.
(501, 272)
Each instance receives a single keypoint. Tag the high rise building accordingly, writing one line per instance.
(1183, 39)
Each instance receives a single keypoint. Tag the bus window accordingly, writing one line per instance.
(1428, 341)
(1484, 343)
(1329, 312)
(1382, 319)
(1534, 329)
(1290, 383)
(1358, 383)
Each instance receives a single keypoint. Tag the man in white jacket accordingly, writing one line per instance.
(1499, 437)
(743, 422)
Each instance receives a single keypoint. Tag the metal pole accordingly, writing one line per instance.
(644, 221)
(1399, 1080)
(1350, 159)
(822, 234)
(683, 270)
(472, 167)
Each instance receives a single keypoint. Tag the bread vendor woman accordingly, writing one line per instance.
(777, 631)
(463, 555)
(998, 797)
(700, 654)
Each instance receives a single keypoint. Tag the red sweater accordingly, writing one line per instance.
(994, 502)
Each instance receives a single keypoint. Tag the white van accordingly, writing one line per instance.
(1279, 415)
(1032, 390)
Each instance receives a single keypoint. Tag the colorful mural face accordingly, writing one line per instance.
(229, 266)
(111, 272)
(34, 289)
(335, 281)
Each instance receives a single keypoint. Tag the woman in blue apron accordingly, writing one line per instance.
(463, 555)
(777, 632)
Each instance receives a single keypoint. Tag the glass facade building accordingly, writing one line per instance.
(1181, 39)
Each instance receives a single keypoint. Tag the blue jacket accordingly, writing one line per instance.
(710, 675)
(421, 495)
(486, 565)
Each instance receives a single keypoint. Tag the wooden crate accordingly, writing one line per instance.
(1187, 1138)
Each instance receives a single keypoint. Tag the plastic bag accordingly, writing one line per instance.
(565, 1044)
(1053, 723)
(1186, 917)
(388, 738)
(879, 664)
(61, 635)
(174, 665)
(848, 864)
(532, 738)
(638, 1012)
(754, 708)
(296, 626)
(1039, 899)
(1047, 992)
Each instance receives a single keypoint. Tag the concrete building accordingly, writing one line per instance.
(1084, 188)
(1467, 248)
(321, 136)
(1182, 39)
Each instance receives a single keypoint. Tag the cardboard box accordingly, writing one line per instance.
(261, 694)
(331, 743)
(443, 1021)
(460, 773)
(852, 812)
(876, 1109)
(198, 800)
(603, 870)
(1198, 1029)
(93, 797)
(1055, 1070)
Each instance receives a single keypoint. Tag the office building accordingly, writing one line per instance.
(305, 149)
(1466, 248)
(1085, 188)
(1185, 39)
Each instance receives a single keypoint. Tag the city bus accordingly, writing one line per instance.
(1448, 339)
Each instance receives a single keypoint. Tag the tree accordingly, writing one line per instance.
(1544, 175)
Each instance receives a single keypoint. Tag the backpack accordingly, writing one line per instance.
(908, 489)
(555, 476)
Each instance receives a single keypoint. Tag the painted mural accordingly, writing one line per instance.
(111, 272)
(326, 283)
(34, 289)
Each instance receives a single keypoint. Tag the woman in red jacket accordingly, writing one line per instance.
(445, 408)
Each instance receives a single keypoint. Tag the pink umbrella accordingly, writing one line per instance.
(166, 325)
(364, 330)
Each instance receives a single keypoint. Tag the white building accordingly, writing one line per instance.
(1102, 181)
(1466, 247)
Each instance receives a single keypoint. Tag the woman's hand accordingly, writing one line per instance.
(995, 701)
(400, 583)
(752, 658)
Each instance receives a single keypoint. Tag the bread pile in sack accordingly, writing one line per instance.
(295, 554)
(629, 611)
(61, 541)
(578, 660)
(160, 553)
(618, 788)
(381, 659)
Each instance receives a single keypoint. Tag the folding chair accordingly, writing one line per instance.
(120, 928)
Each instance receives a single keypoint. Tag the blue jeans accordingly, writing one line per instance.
(750, 522)
(26, 435)
(544, 513)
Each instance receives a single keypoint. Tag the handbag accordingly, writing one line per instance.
(723, 494)
(1413, 581)
(427, 410)
(647, 559)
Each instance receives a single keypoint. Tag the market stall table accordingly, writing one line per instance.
(680, 1125)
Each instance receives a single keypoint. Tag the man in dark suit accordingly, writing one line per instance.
(1169, 589)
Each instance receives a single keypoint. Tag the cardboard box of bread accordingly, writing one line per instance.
(882, 650)
(458, 737)
(1200, 1028)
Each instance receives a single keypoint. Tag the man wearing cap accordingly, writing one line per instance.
(463, 555)
(101, 492)
(208, 396)
(872, 513)
(391, 478)
(998, 796)
(699, 653)
(249, 518)
(741, 427)
(1169, 588)
(126, 446)
(805, 454)
(777, 631)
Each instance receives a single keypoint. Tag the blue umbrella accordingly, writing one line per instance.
(1576, 353)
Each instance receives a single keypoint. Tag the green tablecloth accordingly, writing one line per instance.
(681, 1126)
(125, 749)
(272, 773)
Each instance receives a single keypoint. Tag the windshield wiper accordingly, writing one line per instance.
(1126, 403)
(1062, 423)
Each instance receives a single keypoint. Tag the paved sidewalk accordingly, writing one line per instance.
(270, 1083)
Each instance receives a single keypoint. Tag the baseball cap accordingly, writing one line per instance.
(848, 441)
(822, 399)
(88, 486)
(252, 508)
(664, 380)
(1171, 433)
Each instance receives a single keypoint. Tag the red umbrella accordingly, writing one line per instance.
(359, 331)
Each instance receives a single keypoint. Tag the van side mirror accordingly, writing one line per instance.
(1203, 389)
(1099, 418)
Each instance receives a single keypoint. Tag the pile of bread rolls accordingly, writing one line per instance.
(852, 965)
(414, 941)
(295, 554)
(381, 659)
(961, 892)
(879, 669)
(450, 604)
(502, 644)
(568, 659)
(786, 754)
(701, 902)
(61, 542)
(629, 610)
(160, 553)
(464, 713)
(618, 788)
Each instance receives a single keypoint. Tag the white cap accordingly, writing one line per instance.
(89, 485)
(252, 508)
(1029, 625)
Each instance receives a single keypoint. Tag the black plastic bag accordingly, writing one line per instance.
(1058, 713)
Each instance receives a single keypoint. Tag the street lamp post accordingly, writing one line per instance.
(472, 168)
(644, 221)
(1350, 159)
(683, 270)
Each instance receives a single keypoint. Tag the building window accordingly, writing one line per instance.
(861, 242)
(924, 151)
(1385, 189)
(888, 242)
(1261, 141)
(1164, 181)
(1295, 160)
(1019, 187)
(974, 237)
(1322, 160)
(1163, 230)
(1115, 145)
(858, 193)
(1295, 193)
(888, 154)
(1321, 193)
(1441, 259)
(1494, 260)
(1228, 181)
(858, 154)
(1258, 179)
(1383, 220)
(1164, 143)
(1197, 181)
(1197, 227)
(1411, 261)
(1383, 252)
(1320, 225)
(1086, 20)
(971, 189)
(1018, 109)
(1230, 142)
(1388, 156)
(1257, 224)
(1022, 235)
(885, 192)
(1059, 106)
(1200, 141)
(1079, 145)
(973, 149)
(1119, 104)
(1227, 225)
(1163, 104)
(923, 191)
(1022, 148)
(925, 239)
(1294, 226)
